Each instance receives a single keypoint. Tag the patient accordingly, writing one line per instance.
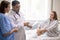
(49, 27)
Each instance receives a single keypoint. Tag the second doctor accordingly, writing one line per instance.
(17, 19)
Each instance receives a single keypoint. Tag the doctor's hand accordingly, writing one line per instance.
(29, 26)
(26, 23)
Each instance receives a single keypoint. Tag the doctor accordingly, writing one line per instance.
(50, 27)
(17, 19)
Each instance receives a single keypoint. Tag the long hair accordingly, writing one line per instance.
(55, 15)
(3, 5)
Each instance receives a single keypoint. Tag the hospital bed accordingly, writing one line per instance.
(30, 35)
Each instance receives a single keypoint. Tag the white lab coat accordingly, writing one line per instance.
(18, 20)
(51, 27)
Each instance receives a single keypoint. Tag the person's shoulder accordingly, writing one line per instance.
(21, 14)
(2, 16)
(11, 12)
(47, 20)
(55, 20)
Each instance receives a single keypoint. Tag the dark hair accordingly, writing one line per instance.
(3, 5)
(15, 2)
(55, 15)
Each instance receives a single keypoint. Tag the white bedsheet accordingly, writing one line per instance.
(31, 35)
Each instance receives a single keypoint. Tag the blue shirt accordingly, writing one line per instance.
(5, 27)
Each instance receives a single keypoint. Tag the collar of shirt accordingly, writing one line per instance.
(16, 12)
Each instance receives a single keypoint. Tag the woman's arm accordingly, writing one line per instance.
(12, 31)
(54, 25)
(6, 26)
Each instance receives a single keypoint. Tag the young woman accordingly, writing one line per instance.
(50, 26)
(6, 28)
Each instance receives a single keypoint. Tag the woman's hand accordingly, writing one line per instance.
(14, 30)
(41, 31)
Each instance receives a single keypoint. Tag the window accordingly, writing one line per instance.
(35, 9)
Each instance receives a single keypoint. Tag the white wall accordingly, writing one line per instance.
(7, 0)
(35, 9)
(56, 7)
(0, 0)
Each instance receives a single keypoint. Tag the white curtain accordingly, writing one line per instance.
(35, 9)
